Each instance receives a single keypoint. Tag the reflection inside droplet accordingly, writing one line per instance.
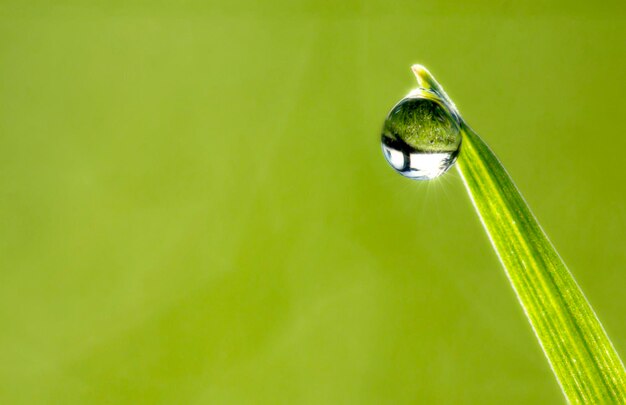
(421, 136)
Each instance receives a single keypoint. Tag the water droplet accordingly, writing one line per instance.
(421, 136)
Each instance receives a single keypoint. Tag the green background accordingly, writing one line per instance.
(194, 207)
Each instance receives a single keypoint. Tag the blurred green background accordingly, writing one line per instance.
(194, 206)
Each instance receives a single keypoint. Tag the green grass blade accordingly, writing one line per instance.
(580, 353)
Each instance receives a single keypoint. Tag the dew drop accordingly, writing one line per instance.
(421, 136)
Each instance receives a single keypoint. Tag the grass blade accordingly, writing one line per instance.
(580, 353)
